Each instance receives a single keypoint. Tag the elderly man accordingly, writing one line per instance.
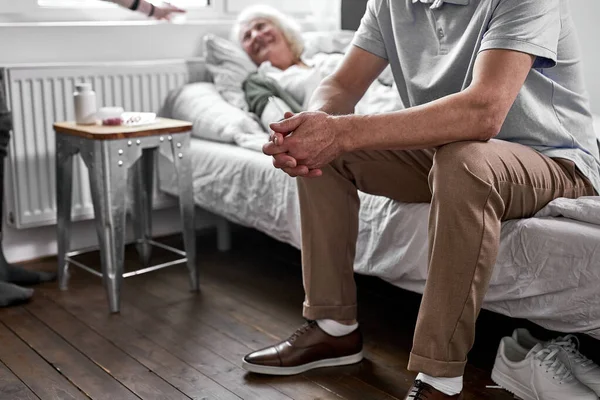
(496, 125)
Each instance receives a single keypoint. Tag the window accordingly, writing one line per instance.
(106, 12)
(293, 6)
(188, 4)
(94, 11)
(14, 7)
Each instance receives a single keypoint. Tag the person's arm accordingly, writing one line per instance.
(476, 113)
(339, 93)
(364, 62)
(163, 11)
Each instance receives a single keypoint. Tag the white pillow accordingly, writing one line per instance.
(229, 66)
(213, 118)
(326, 42)
(337, 42)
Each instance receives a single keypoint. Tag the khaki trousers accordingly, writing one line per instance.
(472, 187)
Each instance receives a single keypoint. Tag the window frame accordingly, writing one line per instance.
(36, 12)
(29, 13)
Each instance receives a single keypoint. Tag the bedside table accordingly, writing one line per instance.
(109, 152)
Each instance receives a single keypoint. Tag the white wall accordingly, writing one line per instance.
(585, 14)
(28, 244)
(83, 35)
(33, 43)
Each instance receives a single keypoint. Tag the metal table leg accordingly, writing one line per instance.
(108, 182)
(64, 184)
(179, 145)
(142, 208)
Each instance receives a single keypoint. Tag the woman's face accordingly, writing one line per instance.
(263, 41)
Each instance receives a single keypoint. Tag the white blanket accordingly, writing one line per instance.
(301, 82)
(585, 209)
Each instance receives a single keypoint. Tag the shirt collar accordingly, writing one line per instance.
(435, 4)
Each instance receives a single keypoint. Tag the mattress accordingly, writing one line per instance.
(548, 269)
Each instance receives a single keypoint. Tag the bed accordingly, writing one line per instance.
(548, 268)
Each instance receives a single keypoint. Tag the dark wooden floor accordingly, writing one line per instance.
(170, 343)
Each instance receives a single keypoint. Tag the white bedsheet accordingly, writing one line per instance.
(548, 269)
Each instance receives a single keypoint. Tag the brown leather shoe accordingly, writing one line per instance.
(423, 391)
(308, 348)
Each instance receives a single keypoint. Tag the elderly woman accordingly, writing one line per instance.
(286, 79)
(284, 82)
(269, 35)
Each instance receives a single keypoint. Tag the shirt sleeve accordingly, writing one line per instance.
(528, 26)
(368, 36)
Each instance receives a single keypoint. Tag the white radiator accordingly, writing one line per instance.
(39, 95)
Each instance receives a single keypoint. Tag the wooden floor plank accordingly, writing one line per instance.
(280, 323)
(181, 345)
(270, 329)
(270, 279)
(226, 336)
(12, 387)
(271, 290)
(231, 349)
(205, 360)
(33, 370)
(87, 376)
(225, 346)
(161, 362)
(133, 375)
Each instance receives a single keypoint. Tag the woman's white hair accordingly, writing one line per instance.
(289, 27)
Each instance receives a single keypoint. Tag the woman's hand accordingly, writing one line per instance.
(165, 10)
(303, 143)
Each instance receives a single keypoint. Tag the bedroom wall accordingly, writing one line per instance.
(73, 42)
(29, 244)
(111, 35)
(585, 14)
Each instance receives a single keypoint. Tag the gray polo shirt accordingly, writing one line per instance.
(432, 53)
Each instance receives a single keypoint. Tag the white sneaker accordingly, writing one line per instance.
(584, 369)
(536, 375)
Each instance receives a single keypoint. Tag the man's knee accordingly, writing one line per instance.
(460, 166)
(339, 166)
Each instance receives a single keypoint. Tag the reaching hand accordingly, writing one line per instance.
(303, 143)
(165, 10)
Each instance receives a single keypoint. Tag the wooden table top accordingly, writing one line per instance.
(161, 126)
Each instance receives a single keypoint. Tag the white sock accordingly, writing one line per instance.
(334, 328)
(448, 386)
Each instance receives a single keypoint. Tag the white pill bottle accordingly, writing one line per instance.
(85, 104)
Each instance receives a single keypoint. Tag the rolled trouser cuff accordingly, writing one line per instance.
(436, 368)
(338, 313)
